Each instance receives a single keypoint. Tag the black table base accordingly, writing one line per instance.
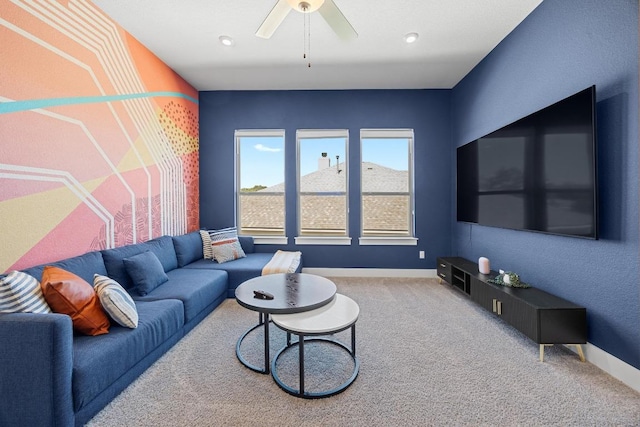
(300, 392)
(263, 320)
(292, 293)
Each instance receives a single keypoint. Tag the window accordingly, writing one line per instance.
(387, 187)
(260, 185)
(322, 187)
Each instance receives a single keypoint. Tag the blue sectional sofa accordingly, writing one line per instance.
(50, 376)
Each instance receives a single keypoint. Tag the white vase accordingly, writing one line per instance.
(483, 265)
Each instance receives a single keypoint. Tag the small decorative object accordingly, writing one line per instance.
(510, 279)
(483, 265)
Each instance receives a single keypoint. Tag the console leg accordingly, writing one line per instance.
(542, 351)
(580, 353)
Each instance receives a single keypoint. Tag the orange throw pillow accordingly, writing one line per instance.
(68, 294)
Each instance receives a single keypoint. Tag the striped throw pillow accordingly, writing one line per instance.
(21, 293)
(225, 245)
(116, 301)
(207, 250)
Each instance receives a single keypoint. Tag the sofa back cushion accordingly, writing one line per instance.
(188, 248)
(84, 266)
(162, 247)
(247, 244)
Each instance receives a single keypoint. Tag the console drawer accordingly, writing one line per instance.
(444, 270)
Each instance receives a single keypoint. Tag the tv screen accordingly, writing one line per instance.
(537, 174)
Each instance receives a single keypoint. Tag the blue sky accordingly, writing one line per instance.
(391, 153)
(262, 158)
(261, 161)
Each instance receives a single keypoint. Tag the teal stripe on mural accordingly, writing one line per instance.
(15, 106)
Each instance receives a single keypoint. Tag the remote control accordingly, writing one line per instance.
(262, 295)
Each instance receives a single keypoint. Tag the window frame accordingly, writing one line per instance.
(301, 239)
(253, 133)
(391, 240)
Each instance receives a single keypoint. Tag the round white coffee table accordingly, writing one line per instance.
(338, 315)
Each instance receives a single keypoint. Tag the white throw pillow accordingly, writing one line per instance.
(116, 301)
(225, 245)
(21, 293)
(207, 250)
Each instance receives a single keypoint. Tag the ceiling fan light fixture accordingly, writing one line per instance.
(326, 8)
(305, 6)
(226, 41)
(411, 38)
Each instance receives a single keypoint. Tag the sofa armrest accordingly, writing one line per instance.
(36, 366)
(247, 244)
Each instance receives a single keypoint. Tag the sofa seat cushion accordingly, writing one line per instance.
(196, 289)
(101, 360)
(239, 270)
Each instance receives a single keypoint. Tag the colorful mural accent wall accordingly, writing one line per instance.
(98, 137)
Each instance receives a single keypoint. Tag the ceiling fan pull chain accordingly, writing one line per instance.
(304, 36)
(307, 15)
(307, 38)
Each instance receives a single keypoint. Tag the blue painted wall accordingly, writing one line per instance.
(563, 47)
(426, 111)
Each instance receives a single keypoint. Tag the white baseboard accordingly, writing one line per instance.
(371, 272)
(615, 367)
(611, 365)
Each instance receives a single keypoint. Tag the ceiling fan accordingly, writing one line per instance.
(327, 9)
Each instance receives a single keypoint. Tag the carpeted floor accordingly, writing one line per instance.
(428, 356)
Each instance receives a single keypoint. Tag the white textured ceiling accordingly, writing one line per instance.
(454, 36)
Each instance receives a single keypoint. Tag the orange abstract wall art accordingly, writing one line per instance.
(98, 137)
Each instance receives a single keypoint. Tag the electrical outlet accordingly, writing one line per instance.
(421, 254)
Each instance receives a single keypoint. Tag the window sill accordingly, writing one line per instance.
(270, 240)
(388, 241)
(334, 240)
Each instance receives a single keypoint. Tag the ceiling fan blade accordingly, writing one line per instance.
(274, 19)
(337, 21)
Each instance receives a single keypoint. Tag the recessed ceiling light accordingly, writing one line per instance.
(411, 37)
(226, 40)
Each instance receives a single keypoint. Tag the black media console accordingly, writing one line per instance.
(543, 317)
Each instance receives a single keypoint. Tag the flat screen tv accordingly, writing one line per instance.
(536, 174)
